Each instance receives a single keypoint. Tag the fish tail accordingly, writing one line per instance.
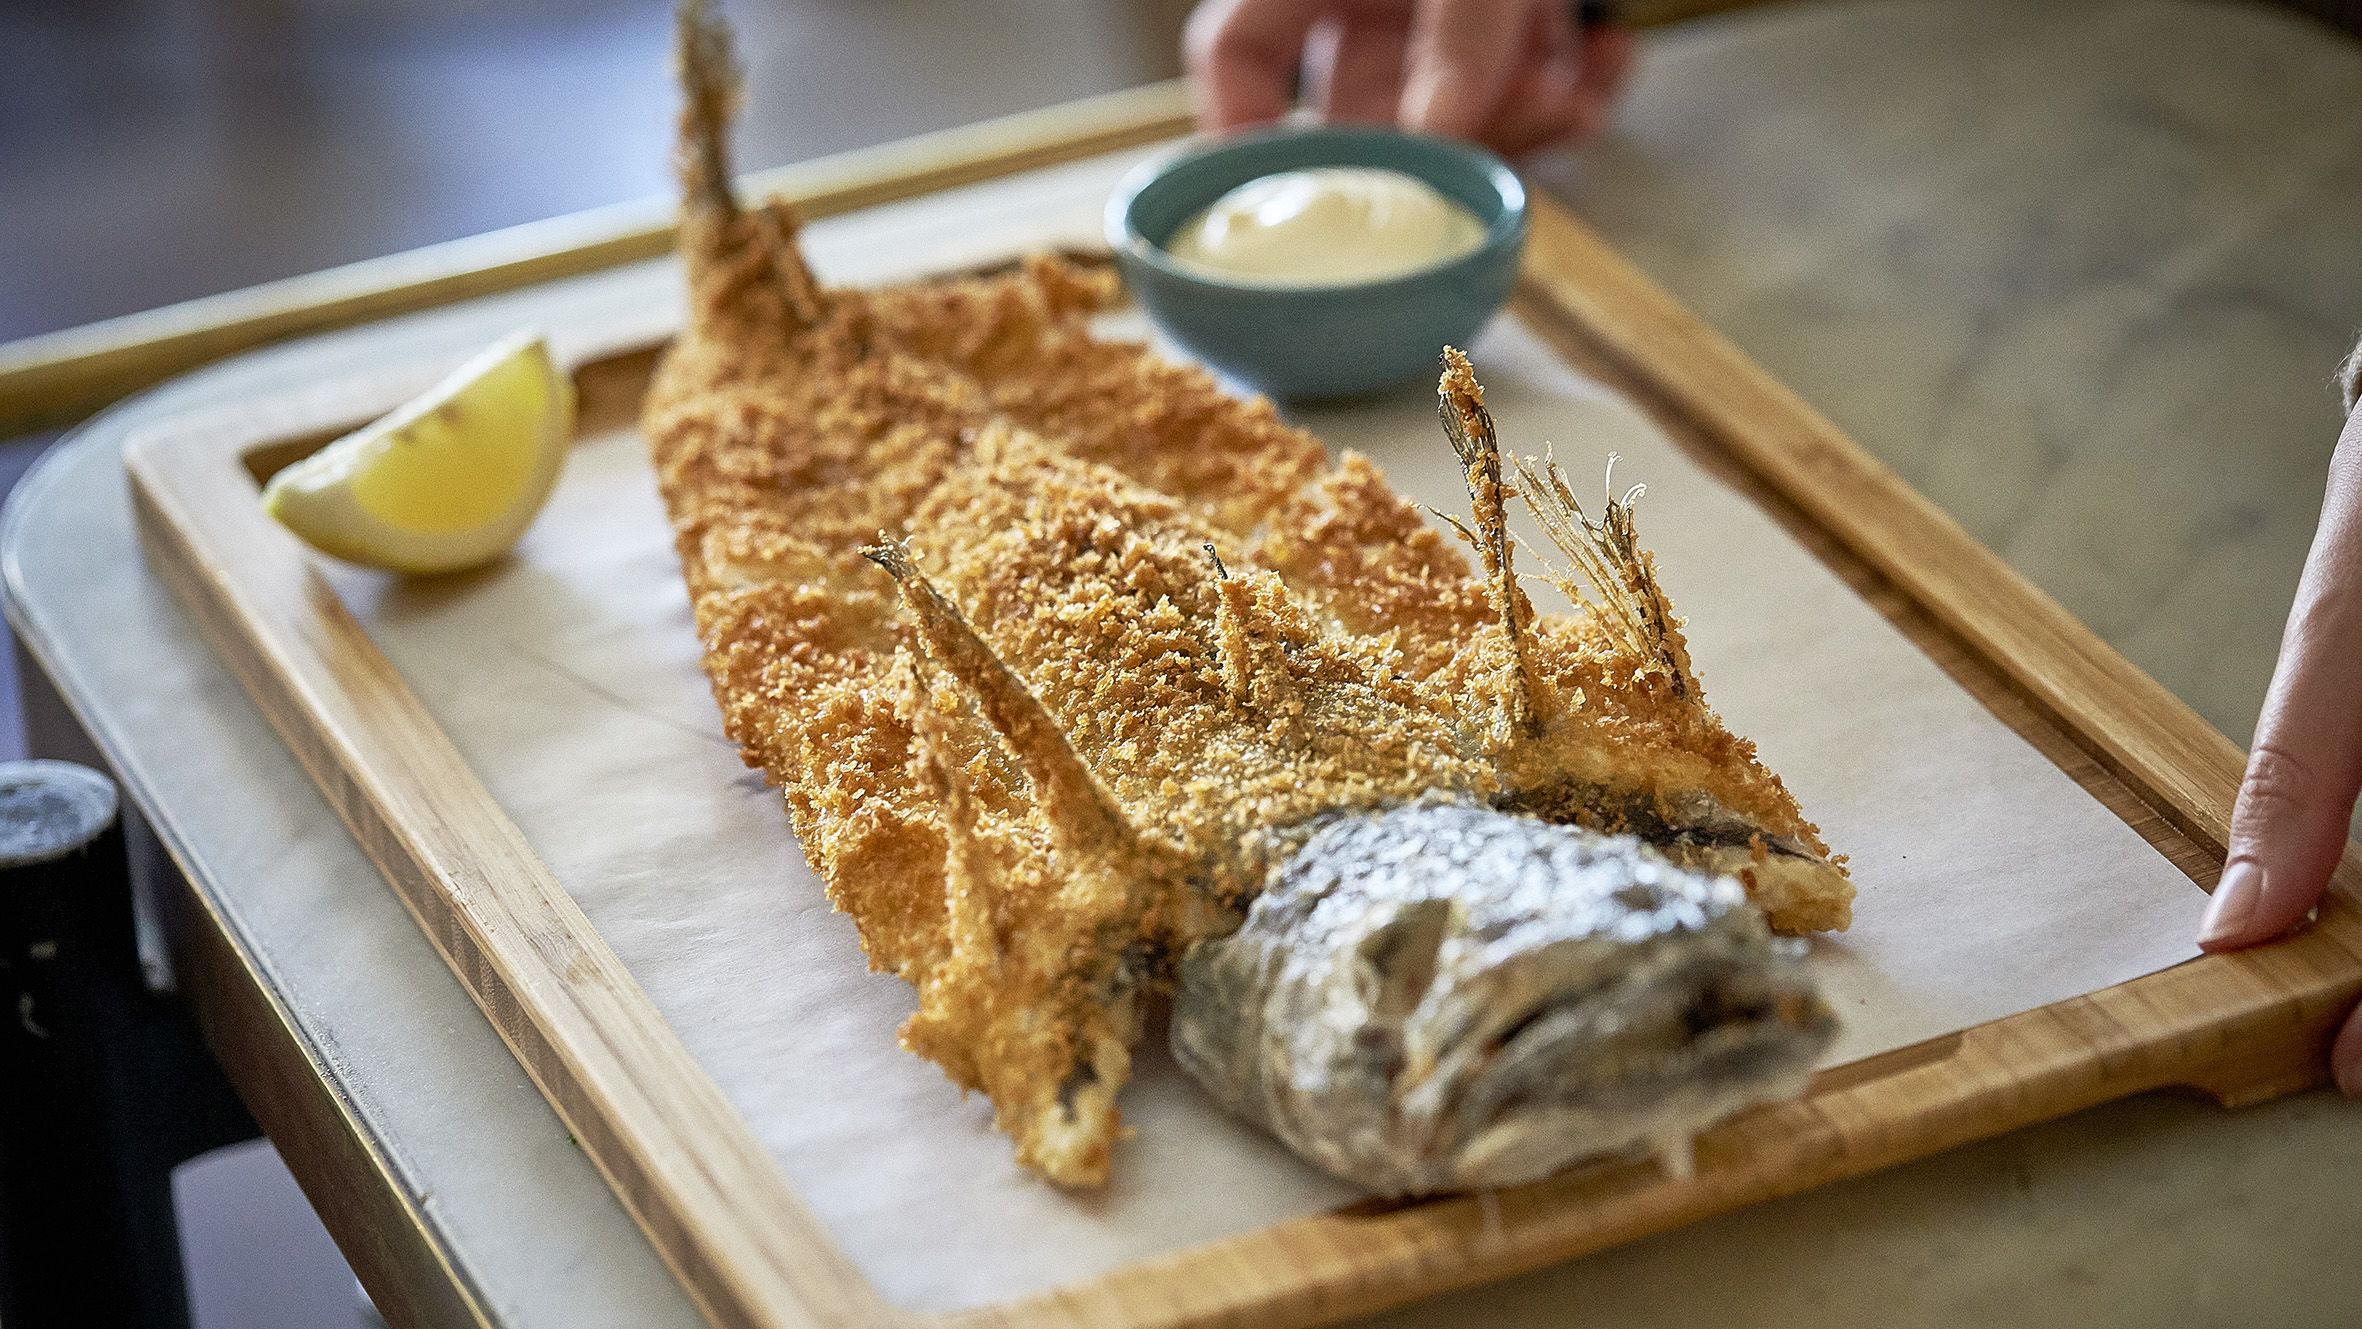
(720, 239)
(706, 62)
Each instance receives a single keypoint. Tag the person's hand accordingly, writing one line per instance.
(2289, 826)
(1514, 75)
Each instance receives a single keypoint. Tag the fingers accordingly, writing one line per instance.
(1514, 74)
(1458, 67)
(1358, 79)
(1243, 57)
(2289, 826)
(1541, 105)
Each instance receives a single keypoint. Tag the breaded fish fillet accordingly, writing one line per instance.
(1057, 650)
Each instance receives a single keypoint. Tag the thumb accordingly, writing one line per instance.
(2289, 826)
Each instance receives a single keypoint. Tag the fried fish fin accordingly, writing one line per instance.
(1043, 1029)
(744, 266)
(1460, 403)
(712, 85)
(1042, 1004)
(1642, 752)
(1076, 805)
(1608, 556)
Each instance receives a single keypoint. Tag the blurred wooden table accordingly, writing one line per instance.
(2080, 271)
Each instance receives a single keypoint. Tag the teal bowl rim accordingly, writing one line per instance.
(1128, 241)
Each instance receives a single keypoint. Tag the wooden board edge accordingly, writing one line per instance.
(55, 378)
(683, 1162)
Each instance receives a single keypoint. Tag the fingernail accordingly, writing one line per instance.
(2233, 905)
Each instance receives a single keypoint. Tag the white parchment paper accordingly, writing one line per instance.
(1990, 883)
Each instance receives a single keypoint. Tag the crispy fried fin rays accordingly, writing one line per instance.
(1460, 403)
(1608, 556)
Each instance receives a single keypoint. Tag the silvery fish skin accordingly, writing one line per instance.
(1444, 997)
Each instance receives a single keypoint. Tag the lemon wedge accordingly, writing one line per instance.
(450, 480)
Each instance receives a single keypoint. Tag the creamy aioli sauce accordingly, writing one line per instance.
(1331, 225)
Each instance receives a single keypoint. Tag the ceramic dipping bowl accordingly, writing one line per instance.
(1310, 342)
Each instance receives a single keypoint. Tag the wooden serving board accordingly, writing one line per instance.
(748, 1250)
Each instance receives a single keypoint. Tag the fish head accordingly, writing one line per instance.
(1441, 996)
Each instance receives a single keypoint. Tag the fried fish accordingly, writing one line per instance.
(1080, 676)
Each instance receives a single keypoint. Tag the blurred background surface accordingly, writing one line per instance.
(155, 150)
